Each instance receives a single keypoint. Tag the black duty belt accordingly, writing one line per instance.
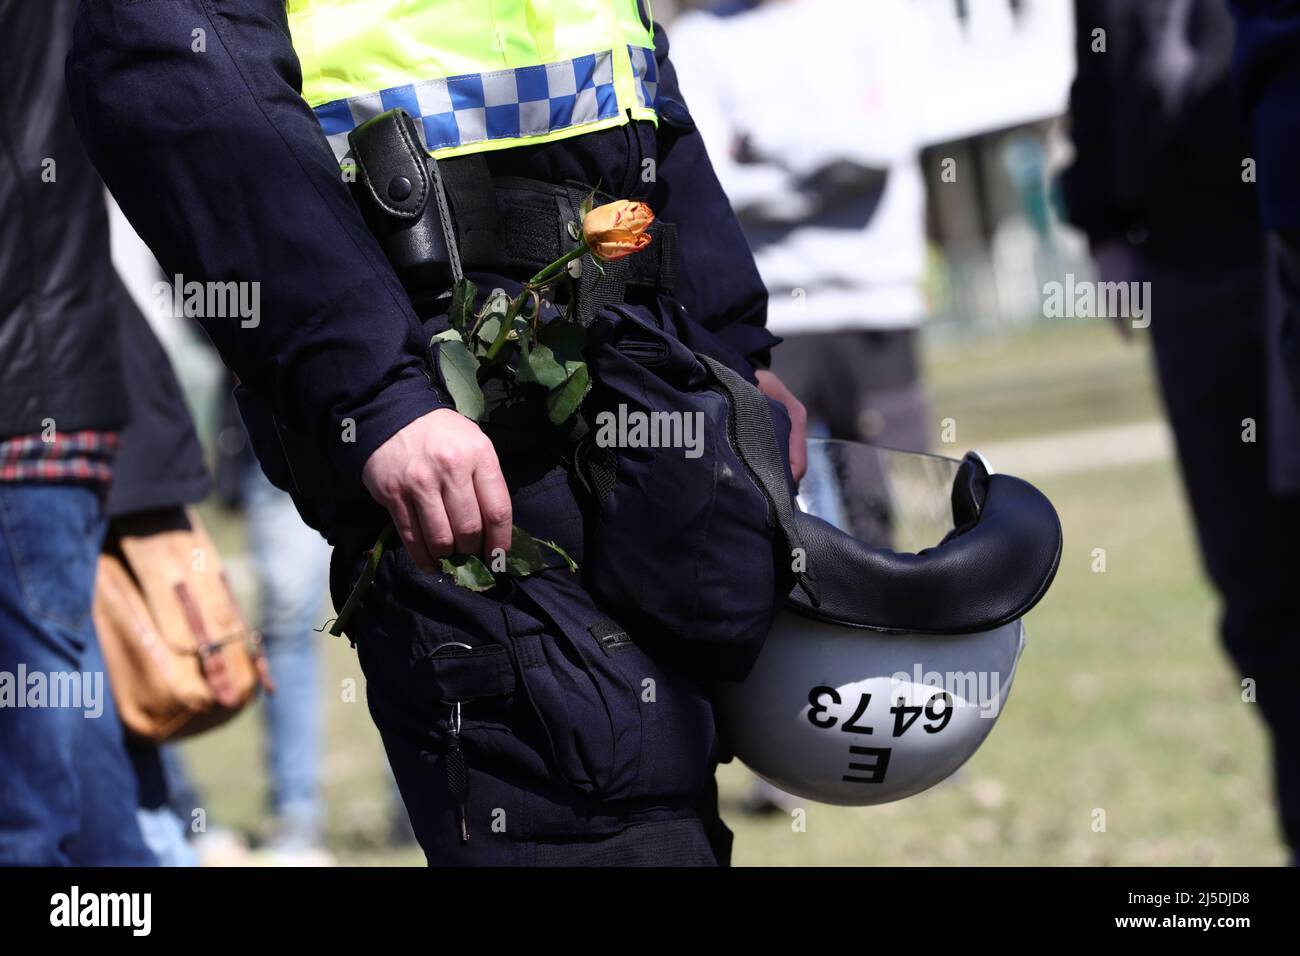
(438, 219)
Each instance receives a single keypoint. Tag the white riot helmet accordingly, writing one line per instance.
(893, 677)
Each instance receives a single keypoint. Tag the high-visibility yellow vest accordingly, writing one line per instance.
(476, 74)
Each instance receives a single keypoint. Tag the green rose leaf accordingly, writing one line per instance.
(524, 556)
(460, 373)
(487, 332)
(544, 368)
(451, 335)
(566, 341)
(562, 402)
(524, 374)
(462, 304)
(468, 571)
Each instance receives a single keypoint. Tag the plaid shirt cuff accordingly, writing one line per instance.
(84, 456)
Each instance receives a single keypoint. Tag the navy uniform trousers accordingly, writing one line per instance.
(583, 746)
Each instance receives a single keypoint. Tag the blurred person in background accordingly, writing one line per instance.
(93, 427)
(159, 466)
(1157, 184)
(291, 564)
(825, 176)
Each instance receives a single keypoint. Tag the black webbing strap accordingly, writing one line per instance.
(517, 226)
(532, 227)
(603, 284)
(466, 189)
(754, 439)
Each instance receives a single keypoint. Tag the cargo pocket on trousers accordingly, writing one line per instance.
(587, 709)
(678, 727)
(480, 679)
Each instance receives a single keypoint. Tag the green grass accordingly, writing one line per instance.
(1123, 701)
(1047, 378)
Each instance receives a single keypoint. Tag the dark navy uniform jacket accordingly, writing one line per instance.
(191, 111)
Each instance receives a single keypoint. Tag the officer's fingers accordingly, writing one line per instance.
(795, 408)
(798, 443)
(408, 529)
(798, 453)
(432, 519)
(772, 386)
(462, 510)
(494, 506)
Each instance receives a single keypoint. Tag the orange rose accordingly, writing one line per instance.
(617, 229)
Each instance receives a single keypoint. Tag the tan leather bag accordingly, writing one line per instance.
(181, 658)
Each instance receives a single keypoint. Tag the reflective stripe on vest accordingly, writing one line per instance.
(477, 74)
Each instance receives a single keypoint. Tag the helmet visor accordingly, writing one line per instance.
(887, 498)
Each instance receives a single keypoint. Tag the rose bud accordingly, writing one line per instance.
(617, 229)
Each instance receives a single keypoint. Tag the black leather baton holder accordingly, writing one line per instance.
(399, 190)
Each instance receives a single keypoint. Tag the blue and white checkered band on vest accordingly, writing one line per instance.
(503, 104)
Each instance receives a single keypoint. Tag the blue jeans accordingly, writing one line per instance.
(67, 791)
(292, 565)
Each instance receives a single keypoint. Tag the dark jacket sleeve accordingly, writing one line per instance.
(1267, 72)
(160, 462)
(1158, 147)
(59, 359)
(1087, 185)
(718, 278)
(191, 111)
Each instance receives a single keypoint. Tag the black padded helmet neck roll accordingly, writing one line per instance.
(992, 568)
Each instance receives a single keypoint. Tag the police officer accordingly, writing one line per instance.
(523, 725)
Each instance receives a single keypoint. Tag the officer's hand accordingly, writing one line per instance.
(440, 481)
(775, 389)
